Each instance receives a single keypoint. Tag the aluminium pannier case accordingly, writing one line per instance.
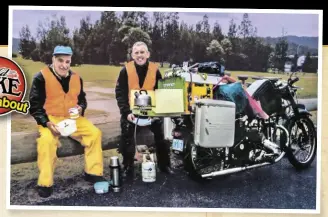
(214, 123)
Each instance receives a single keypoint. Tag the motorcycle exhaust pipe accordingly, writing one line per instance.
(233, 170)
(268, 144)
(239, 169)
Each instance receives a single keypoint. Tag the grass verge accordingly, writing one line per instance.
(105, 76)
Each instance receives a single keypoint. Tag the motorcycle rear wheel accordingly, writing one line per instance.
(190, 162)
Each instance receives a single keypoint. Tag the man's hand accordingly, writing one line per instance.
(131, 117)
(79, 108)
(52, 127)
(228, 79)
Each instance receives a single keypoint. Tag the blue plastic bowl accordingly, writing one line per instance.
(101, 187)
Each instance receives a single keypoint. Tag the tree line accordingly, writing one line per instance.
(108, 41)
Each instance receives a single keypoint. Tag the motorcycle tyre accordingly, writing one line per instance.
(289, 125)
(189, 166)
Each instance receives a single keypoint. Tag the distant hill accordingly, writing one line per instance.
(304, 44)
(311, 42)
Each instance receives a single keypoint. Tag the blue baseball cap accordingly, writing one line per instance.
(63, 50)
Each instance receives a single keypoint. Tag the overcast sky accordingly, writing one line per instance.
(267, 24)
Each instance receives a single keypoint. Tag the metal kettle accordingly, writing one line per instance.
(142, 100)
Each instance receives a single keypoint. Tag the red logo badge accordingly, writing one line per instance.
(12, 88)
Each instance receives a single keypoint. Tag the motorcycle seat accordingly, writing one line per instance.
(256, 77)
(274, 79)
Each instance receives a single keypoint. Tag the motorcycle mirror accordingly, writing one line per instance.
(291, 75)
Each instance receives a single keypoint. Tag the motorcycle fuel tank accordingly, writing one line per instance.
(214, 123)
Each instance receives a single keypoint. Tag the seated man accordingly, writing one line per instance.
(140, 73)
(56, 89)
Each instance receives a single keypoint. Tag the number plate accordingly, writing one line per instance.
(177, 145)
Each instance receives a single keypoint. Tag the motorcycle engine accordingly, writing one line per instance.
(241, 149)
(245, 150)
(243, 154)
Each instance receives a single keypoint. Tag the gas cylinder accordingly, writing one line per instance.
(148, 169)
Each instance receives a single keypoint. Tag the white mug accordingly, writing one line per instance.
(74, 113)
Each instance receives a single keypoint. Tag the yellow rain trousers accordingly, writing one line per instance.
(47, 144)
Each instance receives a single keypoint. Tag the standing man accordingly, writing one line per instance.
(135, 75)
(56, 89)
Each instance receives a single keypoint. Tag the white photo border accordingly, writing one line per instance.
(173, 209)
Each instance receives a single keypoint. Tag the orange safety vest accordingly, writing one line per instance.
(133, 79)
(57, 101)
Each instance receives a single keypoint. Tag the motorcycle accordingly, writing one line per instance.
(296, 119)
(214, 139)
(295, 115)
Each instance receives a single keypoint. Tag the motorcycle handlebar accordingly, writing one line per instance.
(294, 80)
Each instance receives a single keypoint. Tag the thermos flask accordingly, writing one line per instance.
(115, 174)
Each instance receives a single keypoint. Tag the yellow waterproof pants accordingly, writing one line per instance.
(89, 136)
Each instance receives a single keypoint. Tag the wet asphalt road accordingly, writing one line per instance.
(277, 186)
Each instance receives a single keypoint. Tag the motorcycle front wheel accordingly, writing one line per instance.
(303, 137)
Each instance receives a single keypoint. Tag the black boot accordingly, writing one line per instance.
(128, 172)
(127, 148)
(162, 147)
(163, 157)
(44, 191)
(93, 178)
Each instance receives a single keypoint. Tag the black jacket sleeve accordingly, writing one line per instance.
(122, 93)
(37, 99)
(158, 77)
(82, 99)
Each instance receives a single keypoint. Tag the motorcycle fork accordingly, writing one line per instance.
(297, 114)
(301, 126)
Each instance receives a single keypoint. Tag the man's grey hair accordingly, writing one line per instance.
(140, 43)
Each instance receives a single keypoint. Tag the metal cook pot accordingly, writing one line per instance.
(142, 100)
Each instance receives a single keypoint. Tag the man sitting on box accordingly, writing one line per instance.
(55, 90)
(135, 75)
